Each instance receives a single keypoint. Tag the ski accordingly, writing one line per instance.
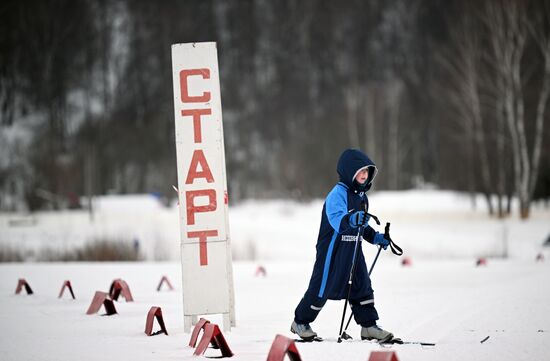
(314, 339)
(387, 344)
(398, 341)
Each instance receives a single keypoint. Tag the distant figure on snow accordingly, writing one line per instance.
(344, 211)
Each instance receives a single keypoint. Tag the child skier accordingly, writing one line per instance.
(344, 212)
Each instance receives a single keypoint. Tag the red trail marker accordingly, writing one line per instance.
(66, 284)
(212, 334)
(120, 287)
(101, 298)
(154, 312)
(282, 346)
(23, 283)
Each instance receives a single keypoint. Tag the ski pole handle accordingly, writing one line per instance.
(394, 247)
(374, 217)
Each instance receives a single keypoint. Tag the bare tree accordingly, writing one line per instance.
(369, 120)
(507, 24)
(353, 97)
(542, 38)
(462, 64)
(394, 95)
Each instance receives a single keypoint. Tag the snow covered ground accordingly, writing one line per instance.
(443, 297)
(428, 224)
(452, 303)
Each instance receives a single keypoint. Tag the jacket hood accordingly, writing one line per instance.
(350, 162)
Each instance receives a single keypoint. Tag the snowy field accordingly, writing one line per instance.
(427, 224)
(442, 298)
(451, 303)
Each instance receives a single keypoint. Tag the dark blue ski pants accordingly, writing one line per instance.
(309, 307)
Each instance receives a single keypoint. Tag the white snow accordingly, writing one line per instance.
(426, 223)
(443, 297)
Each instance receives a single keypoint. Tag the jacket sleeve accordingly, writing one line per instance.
(368, 234)
(336, 206)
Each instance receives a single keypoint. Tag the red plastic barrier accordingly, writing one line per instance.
(261, 271)
(120, 287)
(163, 280)
(282, 346)
(66, 284)
(212, 334)
(383, 356)
(154, 312)
(101, 298)
(481, 261)
(23, 283)
(195, 334)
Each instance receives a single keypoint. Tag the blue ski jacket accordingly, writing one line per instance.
(336, 240)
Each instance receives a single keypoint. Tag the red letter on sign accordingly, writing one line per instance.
(198, 158)
(185, 97)
(202, 235)
(196, 114)
(192, 209)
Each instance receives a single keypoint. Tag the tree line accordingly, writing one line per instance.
(446, 93)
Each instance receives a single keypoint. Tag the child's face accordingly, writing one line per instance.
(362, 176)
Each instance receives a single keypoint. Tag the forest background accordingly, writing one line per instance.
(440, 93)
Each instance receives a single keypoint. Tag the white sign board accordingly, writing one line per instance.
(207, 273)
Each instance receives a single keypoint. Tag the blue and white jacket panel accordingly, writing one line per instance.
(336, 246)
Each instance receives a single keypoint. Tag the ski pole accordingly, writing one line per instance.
(350, 282)
(396, 250)
(345, 336)
(352, 270)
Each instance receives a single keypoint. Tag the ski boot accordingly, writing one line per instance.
(303, 330)
(375, 333)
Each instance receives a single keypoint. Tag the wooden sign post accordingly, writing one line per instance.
(207, 271)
